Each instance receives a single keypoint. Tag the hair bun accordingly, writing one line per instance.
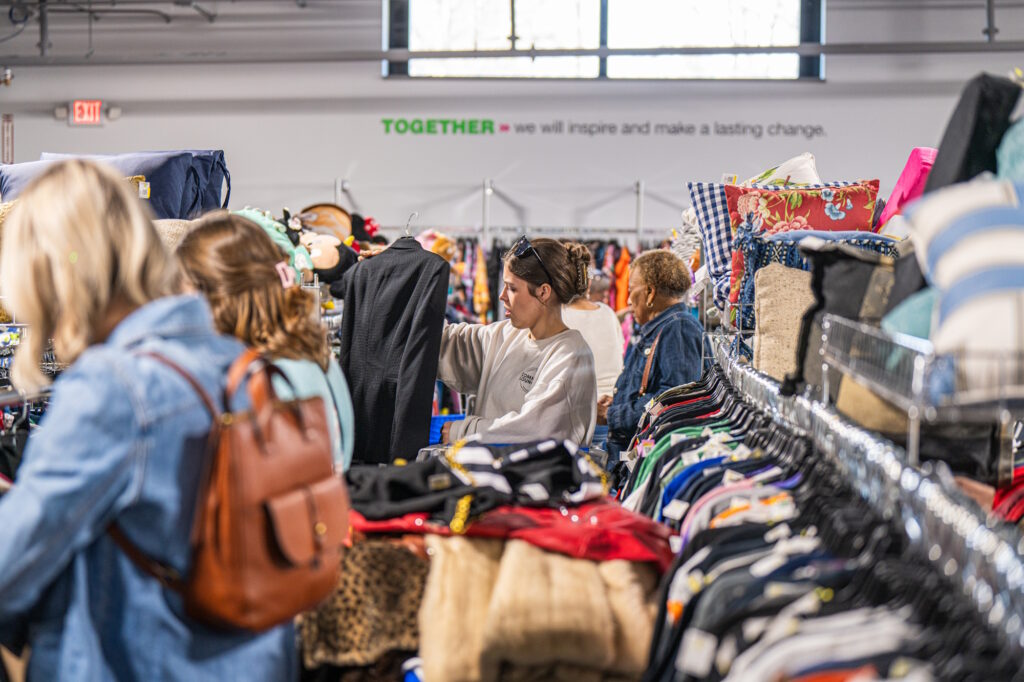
(580, 259)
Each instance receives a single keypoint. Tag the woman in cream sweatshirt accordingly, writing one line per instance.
(533, 377)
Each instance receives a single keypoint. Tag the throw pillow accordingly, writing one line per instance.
(783, 295)
(842, 208)
(712, 214)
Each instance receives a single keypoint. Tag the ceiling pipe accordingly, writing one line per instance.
(990, 30)
(44, 29)
(205, 13)
(808, 50)
(95, 12)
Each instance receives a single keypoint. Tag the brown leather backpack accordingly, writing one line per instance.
(272, 514)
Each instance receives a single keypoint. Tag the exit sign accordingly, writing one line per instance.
(86, 112)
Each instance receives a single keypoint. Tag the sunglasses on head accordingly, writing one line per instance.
(523, 247)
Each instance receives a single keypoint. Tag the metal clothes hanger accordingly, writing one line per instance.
(412, 216)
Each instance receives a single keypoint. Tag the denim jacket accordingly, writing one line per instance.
(123, 439)
(677, 361)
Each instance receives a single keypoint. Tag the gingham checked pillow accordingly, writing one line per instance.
(713, 214)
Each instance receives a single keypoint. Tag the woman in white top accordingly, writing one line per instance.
(533, 377)
(600, 328)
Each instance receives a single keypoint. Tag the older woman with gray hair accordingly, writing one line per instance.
(668, 351)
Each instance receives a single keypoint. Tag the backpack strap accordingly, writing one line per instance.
(204, 397)
(650, 361)
(164, 574)
(241, 368)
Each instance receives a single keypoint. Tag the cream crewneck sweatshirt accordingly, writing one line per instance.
(525, 389)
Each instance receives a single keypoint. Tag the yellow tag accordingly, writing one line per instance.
(695, 584)
(144, 191)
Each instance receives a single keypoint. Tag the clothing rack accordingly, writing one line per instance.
(983, 561)
(14, 397)
(626, 234)
(903, 370)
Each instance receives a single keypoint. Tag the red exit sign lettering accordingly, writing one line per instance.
(86, 112)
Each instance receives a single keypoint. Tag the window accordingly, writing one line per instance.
(480, 25)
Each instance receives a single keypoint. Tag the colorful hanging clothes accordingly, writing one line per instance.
(622, 280)
(481, 287)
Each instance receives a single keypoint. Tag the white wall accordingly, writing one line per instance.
(290, 129)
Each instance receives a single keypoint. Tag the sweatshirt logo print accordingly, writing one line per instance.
(526, 380)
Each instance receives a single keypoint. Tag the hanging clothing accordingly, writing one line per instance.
(390, 335)
(608, 267)
(495, 283)
(603, 333)
(622, 280)
(523, 387)
(481, 288)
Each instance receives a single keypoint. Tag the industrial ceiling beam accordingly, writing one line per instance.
(811, 50)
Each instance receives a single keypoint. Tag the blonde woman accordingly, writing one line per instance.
(122, 443)
(247, 281)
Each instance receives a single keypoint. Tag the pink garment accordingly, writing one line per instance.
(911, 183)
(627, 331)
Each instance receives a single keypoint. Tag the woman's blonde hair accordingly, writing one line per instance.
(234, 263)
(77, 242)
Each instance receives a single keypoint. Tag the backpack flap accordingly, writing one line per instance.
(310, 525)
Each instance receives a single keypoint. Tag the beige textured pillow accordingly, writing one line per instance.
(172, 232)
(781, 297)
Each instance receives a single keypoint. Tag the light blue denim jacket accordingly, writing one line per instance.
(123, 439)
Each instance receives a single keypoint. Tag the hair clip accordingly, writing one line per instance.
(285, 272)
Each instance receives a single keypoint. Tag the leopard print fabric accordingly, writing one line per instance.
(373, 610)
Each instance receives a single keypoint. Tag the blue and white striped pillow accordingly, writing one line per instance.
(969, 239)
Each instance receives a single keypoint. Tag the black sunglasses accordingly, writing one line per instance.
(522, 247)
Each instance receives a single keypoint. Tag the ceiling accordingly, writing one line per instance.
(186, 30)
(250, 31)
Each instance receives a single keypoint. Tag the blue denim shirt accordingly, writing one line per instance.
(677, 361)
(123, 438)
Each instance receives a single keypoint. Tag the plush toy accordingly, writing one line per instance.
(298, 256)
(364, 229)
(331, 257)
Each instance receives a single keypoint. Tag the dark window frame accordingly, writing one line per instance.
(811, 31)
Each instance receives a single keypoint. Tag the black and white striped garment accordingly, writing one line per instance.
(537, 474)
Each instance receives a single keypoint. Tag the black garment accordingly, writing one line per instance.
(390, 345)
(974, 131)
(541, 474)
(11, 449)
(495, 268)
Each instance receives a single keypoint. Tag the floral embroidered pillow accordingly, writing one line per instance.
(838, 207)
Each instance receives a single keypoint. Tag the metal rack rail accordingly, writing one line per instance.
(983, 559)
(929, 387)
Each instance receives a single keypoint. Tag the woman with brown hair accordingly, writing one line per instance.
(254, 297)
(532, 376)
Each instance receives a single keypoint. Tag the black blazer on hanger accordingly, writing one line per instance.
(390, 345)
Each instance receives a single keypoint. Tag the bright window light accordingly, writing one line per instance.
(470, 25)
(487, 25)
(698, 23)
